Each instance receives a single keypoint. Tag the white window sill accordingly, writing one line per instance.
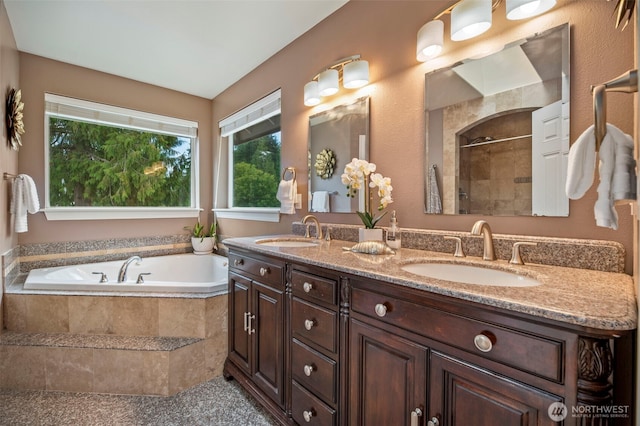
(262, 214)
(106, 213)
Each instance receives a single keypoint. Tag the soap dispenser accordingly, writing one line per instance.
(393, 233)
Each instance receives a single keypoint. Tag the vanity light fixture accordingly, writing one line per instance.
(353, 71)
(470, 18)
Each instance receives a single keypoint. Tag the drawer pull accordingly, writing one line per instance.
(308, 415)
(415, 417)
(308, 324)
(308, 369)
(251, 330)
(433, 422)
(238, 262)
(307, 287)
(264, 271)
(484, 341)
(381, 309)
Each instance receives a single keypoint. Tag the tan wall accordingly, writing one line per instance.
(9, 79)
(39, 75)
(384, 33)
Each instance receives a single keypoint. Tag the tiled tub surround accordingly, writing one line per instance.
(129, 343)
(583, 297)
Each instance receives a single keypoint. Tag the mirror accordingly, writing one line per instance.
(336, 137)
(498, 131)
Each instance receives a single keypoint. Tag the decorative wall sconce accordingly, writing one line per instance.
(353, 71)
(470, 18)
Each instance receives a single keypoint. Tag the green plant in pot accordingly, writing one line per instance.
(203, 239)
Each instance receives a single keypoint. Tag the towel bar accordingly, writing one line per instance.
(8, 176)
(289, 169)
(627, 82)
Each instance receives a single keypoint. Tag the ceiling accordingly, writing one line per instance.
(199, 47)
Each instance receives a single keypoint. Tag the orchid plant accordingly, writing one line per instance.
(360, 174)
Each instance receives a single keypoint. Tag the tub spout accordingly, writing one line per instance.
(122, 275)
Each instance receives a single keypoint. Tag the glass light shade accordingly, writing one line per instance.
(328, 82)
(470, 18)
(522, 9)
(311, 95)
(430, 40)
(355, 74)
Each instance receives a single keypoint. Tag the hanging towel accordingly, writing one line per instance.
(434, 202)
(320, 202)
(581, 165)
(24, 199)
(617, 176)
(287, 193)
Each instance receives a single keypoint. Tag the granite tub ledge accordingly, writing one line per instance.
(585, 298)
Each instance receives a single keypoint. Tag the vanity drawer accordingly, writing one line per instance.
(314, 370)
(307, 409)
(312, 287)
(264, 270)
(533, 353)
(315, 324)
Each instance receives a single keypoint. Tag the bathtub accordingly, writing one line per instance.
(180, 273)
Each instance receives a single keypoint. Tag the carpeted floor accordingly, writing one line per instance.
(216, 402)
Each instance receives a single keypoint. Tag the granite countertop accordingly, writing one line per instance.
(587, 298)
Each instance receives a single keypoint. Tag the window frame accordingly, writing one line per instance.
(260, 110)
(77, 109)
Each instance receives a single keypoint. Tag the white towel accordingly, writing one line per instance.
(581, 165)
(434, 202)
(287, 193)
(320, 202)
(24, 199)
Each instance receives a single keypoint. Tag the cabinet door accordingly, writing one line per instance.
(461, 394)
(267, 334)
(388, 377)
(239, 309)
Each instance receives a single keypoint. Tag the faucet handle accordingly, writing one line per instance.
(516, 258)
(459, 250)
(103, 276)
(140, 280)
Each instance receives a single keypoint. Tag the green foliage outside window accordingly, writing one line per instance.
(256, 170)
(104, 166)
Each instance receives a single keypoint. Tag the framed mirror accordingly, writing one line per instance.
(336, 136)
(497, 131)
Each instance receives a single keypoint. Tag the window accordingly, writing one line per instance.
(109, 162)
(254, 158)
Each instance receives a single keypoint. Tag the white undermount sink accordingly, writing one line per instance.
(469, 274)
(287, 242)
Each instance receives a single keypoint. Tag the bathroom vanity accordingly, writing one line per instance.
(323, 336)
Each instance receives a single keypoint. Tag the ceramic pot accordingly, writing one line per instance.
(203, 245)
(374, 234)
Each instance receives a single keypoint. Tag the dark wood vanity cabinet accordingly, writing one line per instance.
(256, 325)
(320, 347)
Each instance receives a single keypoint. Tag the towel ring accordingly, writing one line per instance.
(627, 82)
(289, 169)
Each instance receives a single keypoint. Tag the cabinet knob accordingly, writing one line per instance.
(307, 287)
(381, 309)
(308, 415)
(433, 422)
(308, 324)
(238, 262)
(484, 341)
(264, 271)
(415, 417)
(308, 369)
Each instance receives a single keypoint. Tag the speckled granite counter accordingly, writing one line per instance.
(587, 298)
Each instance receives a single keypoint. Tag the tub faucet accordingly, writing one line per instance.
(316, 222)
(482, 227)
(122, 275)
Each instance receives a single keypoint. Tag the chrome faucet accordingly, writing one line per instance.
(122, 275)
(482, 227)
(316, 222)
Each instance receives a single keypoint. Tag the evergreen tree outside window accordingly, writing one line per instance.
(100, 157)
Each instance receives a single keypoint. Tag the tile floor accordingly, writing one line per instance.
(216, 402)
